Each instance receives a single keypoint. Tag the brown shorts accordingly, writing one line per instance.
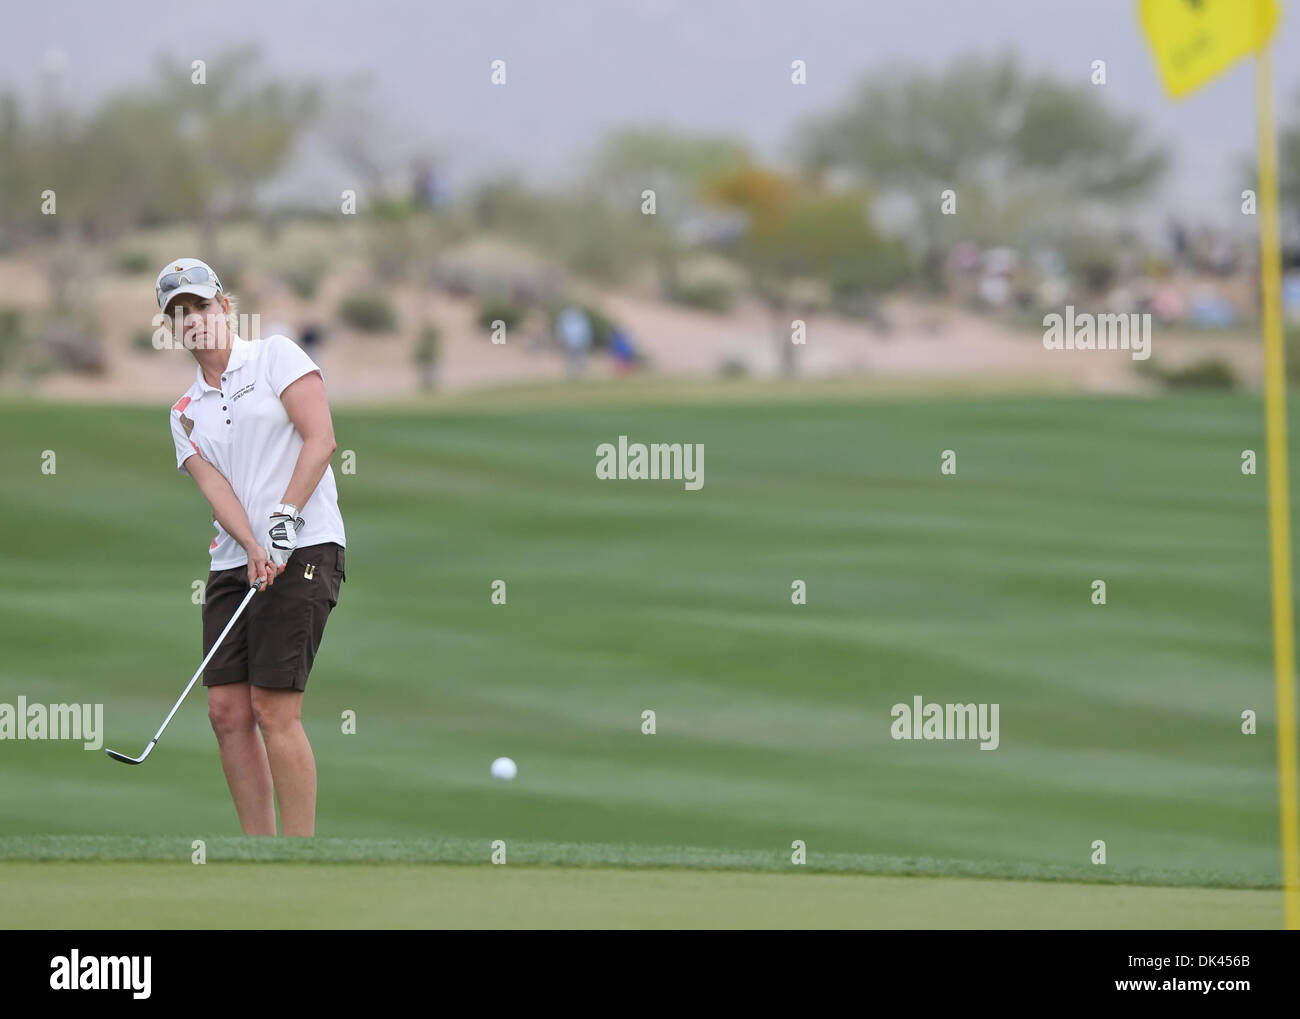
(275, 639)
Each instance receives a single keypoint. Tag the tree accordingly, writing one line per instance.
(1021, 151)
(235, 131)
(172, 149)
(796, 230)
(1288, 159)
(675, 166)
(1288, 176)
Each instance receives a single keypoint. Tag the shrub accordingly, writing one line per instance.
(429, 345)
(733, 368)
(711, 295)
(133, 261)
(455, 280)
(73, 346)
(861, 304)
(371, 313)
(304, 276)
(1207, 373)
(602, 328)
(11, 335)
(494, 308)
(1291, 340)
(426, 355)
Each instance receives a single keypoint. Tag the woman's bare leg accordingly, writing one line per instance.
(243, 756)
(293, 767)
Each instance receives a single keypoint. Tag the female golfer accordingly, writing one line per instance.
(254, 432)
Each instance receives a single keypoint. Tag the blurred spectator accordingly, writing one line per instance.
(1121, 301)
(1210, 308)
(1001, 265)
(1291, 296)
(1053, 291)
(994, 290)
(1168, 303)
(427, 188)
(1223, 255)
(620, 346)
(965, 257)
(963, 271)
(573, 327)
(1048, 262)
(1178, 245)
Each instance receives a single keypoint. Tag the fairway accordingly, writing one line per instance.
(279, 895)
(1119, 722)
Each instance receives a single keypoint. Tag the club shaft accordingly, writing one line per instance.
(204, 664)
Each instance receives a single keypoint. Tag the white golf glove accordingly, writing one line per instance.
(283, 536)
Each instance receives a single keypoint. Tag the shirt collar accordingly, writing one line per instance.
(238, 352)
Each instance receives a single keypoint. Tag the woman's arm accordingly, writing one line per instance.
(228, 511)
(309, 410)
(226, 507)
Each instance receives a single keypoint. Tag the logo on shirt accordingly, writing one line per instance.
(179, 407)
(248, 388)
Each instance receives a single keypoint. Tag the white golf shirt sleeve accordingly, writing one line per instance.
(184, 448)
(286, 362)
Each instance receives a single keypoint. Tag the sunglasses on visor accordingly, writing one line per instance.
(175, 280)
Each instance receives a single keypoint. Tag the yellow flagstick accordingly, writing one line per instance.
(1279, 514)
(1193, 41)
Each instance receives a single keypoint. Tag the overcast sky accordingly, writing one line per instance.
(576, 67)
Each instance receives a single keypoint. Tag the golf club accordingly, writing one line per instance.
(198, 672)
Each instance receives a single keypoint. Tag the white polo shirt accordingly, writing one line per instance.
(244, 431)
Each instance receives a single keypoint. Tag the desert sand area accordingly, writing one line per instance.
(925, 343)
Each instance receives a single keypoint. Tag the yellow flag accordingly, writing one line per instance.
(1193, 40)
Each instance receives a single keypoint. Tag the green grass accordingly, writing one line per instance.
(1119, 723)
(279, 895)
(324, 849)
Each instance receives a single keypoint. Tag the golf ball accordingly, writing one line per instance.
(504, 769)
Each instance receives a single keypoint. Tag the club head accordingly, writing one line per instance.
(131, 760)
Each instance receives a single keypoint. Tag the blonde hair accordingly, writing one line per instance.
(232, 317)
